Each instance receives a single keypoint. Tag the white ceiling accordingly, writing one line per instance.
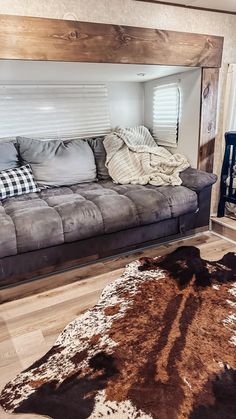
(68, 72)
(227, 5)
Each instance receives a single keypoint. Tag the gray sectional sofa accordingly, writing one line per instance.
(56, 228)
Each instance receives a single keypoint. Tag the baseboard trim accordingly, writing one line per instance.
(224, 228)
(223, 237)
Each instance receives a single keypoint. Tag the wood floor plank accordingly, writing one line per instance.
(27, 305)
(30, 326)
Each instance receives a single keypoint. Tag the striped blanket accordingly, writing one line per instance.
(134, 157)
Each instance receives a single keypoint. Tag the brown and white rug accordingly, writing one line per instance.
(160, 343)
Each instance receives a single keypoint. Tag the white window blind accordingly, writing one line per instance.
(166, 113)
(51, 111)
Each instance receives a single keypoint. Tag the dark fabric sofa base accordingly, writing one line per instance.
(15, 269)
(28, 266)
(87, 267)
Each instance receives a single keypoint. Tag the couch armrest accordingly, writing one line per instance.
(196, 180)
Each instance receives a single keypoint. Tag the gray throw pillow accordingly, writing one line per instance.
(100, 157)
(8, 156)
(58, 163)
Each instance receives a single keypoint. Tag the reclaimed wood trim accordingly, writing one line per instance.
(185, 6)
(209, 97)
(33, 38)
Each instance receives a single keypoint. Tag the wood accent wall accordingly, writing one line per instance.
(30, 38)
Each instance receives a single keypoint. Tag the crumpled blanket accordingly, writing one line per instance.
(134, 157)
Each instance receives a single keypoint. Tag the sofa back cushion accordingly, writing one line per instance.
(8, 156)
(100, 157)
(58, 163)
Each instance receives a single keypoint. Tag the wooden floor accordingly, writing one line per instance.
(29, 327)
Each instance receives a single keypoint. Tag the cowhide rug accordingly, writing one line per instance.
(160, 343)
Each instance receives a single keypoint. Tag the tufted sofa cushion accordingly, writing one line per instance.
(65, 214)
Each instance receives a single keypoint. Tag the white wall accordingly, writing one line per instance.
(190, 84)
(54, 72)
(126, 103)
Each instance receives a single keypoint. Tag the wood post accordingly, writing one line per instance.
(209, 96)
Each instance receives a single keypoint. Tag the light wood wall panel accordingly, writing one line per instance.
(209, 95)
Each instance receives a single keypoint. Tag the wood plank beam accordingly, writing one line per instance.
(209, 96)
(32, 38)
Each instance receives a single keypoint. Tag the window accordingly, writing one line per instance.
(166, 113)
(54, 111)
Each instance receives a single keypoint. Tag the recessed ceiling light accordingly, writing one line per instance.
(141, 74)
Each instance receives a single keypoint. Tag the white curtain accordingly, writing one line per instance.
(48, 111)
(166, 112)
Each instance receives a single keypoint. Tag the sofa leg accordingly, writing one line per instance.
(221, 208)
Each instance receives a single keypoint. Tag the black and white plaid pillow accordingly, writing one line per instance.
(17, 181)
